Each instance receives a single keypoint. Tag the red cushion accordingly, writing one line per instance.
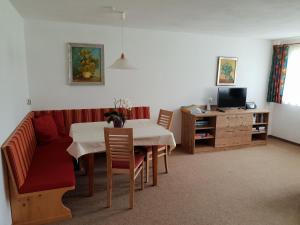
(45, 129)
(139, 158)
(51, 167)
(60, 122)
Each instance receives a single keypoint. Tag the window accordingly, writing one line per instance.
(291, 92)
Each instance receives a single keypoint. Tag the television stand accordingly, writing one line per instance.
(221, 130)
(230, 109)
(221, 110)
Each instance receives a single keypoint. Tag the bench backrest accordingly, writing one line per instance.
(93, 115)
(19, 149)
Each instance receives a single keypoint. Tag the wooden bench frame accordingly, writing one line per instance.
(33, 208)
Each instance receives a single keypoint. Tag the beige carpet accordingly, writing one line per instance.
(257, 185)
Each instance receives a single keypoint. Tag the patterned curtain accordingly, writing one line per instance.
(278, 72)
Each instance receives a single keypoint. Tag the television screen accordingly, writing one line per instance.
(232, 97)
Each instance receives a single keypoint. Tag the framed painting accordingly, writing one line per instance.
(86, 63)
(226, 71)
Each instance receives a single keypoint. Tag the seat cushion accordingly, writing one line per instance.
(45, 129)
(51, 167)
(139, 158)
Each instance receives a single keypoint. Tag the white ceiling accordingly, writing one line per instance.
(270, 19)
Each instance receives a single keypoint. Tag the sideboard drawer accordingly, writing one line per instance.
(232, 121)
(233, 132)
(235, 141)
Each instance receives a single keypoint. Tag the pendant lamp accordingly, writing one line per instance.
(122, 62)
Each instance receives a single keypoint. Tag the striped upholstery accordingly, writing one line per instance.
(20, 148)
(93, 115)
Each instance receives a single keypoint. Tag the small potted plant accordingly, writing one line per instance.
(118, 115)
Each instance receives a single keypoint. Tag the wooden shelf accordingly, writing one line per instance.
(205, 128)
(203, 138)
(255, 124)
(204, 148)
(259, 132)
(259, 142)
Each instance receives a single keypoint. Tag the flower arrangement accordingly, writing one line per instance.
(118, 115)
(88, 63)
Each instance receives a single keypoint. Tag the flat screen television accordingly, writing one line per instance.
(232, 97)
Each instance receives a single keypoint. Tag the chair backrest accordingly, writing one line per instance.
(165, 118)
(119, 146)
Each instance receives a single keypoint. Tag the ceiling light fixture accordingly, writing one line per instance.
(122, 62)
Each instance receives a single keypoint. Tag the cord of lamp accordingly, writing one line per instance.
(122, 62)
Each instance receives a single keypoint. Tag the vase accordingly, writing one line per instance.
(118, 122)
(86, 74)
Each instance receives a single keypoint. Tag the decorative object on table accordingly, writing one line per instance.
(226, 71)
(197, 111)
(250, 105)
(208, 106)
(86, 63)
(121, 112)
(122, 62)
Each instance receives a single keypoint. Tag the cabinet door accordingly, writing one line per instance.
(233, 130)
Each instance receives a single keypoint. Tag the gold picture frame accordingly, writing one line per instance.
(86, 64)
(227, 67)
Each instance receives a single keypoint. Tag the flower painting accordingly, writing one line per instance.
(86, 64)
(226, 71)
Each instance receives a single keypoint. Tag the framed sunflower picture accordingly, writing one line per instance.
(226, 71)
(86, 63)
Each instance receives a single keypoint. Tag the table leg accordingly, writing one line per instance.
(90, 171)
(154, 164)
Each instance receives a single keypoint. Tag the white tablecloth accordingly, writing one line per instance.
(89, 137)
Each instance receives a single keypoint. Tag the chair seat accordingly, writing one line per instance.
(138, 159)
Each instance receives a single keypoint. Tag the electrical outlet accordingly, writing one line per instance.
(28, 101)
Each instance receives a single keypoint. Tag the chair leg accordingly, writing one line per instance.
(109, 190)
(142, 176)
(166, 160)
(147, 168)
(131, 195)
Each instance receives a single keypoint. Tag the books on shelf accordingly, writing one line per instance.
(201, 123)
(202, 135)
(259, 129)
(258, 118)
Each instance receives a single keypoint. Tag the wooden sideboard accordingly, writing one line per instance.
(214, 130)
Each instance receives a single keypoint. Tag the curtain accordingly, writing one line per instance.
(278, 72)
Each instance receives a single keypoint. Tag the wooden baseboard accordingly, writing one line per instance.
(284, 140)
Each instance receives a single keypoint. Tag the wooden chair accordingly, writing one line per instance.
(122, 160)
(165, 120)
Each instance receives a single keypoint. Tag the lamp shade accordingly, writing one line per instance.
(121, 64)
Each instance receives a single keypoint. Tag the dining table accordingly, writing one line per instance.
(88, 139)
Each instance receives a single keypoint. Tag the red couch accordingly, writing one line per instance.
(39, 175)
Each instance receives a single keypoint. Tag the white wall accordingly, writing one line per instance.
(13, 87)
(286, 122)
(174, 69)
